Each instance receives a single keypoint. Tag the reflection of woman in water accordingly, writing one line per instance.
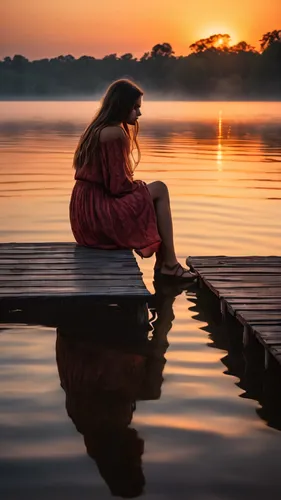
(108, 208)
(102, 384)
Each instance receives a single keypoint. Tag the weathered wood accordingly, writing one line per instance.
(275, 281)
(251, 292)
(7, 275)
(57, 266)
(52, 260)
(225, 260)
(45, 252)
(258, 300)
(238, 270)
(59, 270)
(55, 246)
(271, 341)
(250, 289)
(241, 279)
(254, 316)
(74, 292)
(259, 307)
(94, 281)
(265, 329)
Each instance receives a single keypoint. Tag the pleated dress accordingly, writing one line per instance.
(110, 210)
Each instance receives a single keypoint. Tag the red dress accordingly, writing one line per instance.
(109, 210)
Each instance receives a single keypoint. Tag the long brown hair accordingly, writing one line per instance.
(116, 107)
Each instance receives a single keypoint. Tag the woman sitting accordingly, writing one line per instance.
(108, 208)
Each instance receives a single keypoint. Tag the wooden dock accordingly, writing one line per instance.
(65, 271)
(249, 288)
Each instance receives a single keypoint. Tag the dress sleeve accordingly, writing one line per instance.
(114, 165)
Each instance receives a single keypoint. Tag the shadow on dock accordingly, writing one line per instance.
(104, 374)
(245, 362)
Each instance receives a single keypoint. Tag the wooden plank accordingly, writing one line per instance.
(248, 316)
(243, 263)
(56, 249)
(277, 353)
(251, 292)
(36, 244)
(65, 256)
(64, 251)
(253, 307)
(52, 260)
(271, 341)
(253, 300)
(266, 329)
(24, 250)
(72, 269)
(55, 245)
(67, 270)
(245, 280)
(258, 307)
(246, 293)
(71, 256)
(232, 270)
(250, 288)
(74, 292)
(58, 265)
(13, 291)
(274, 336)
(58, 285)
(243, 285)
(64, 275)
(223, 259)
(90, 283)
(236, 308)
(69, 275)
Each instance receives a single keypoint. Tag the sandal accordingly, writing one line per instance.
(176, 276)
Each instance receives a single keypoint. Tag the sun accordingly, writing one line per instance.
(219, 29)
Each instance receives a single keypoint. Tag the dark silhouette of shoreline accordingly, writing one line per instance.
(214, 70)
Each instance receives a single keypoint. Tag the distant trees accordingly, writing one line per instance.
(161, 50)
(242, 47)
(213, 69)
(270, 62)
(218, 42)
(269, 38)
(128, 57)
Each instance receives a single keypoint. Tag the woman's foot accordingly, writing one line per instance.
(176, 272)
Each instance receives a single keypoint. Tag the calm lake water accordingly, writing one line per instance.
(200, 430)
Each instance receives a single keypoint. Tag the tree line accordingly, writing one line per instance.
(212, 69)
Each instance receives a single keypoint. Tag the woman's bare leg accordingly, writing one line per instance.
(167, 256)
(159, 259)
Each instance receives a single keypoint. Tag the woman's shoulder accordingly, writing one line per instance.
(111, 133)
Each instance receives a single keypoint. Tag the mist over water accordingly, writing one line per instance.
(208, 436)
(221, 162)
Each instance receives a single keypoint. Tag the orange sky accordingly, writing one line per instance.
(48, 28)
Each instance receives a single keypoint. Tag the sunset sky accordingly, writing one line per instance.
(49, 28)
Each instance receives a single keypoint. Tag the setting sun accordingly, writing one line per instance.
(221, 29)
